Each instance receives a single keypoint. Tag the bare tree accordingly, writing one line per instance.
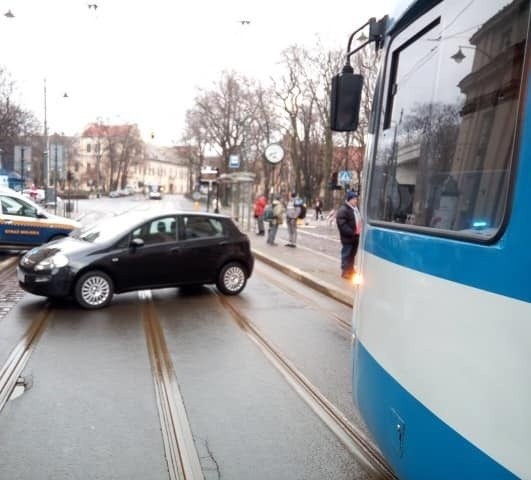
(319, 67)
(15, 122)
(265, 129)
(365, 62)
(197, 140)
(120, 146)
(227, 112)
(301, 101)
(292, 93)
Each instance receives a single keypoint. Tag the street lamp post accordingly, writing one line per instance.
(22, 166)
(55, 177)
(46, 160)
(98, 173)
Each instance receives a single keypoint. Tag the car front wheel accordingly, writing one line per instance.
(231, 279)
(94, 290)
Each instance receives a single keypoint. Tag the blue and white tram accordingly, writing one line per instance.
(442, 316)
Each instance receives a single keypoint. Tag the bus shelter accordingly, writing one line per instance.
(238, 190)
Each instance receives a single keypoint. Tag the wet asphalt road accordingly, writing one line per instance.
(90, 411)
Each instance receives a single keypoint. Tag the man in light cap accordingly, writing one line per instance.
(348, 220)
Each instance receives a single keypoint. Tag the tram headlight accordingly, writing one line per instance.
(57, 260)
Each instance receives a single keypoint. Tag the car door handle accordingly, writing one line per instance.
(175, 250)
(8, 222)
(224, 242)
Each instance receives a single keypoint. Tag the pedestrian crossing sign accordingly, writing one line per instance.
(344, 176)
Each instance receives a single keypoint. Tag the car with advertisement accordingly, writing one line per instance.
(24, 224)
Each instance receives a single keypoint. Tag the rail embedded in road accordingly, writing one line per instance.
(181, 455)
(352, 437)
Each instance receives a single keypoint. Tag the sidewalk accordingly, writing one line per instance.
(309, 266)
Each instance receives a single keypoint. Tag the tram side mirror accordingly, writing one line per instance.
(345, 100)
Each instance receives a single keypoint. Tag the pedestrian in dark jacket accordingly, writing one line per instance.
(348, 220)
(318, 209)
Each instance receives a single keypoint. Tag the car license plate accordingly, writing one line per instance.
(20, 275)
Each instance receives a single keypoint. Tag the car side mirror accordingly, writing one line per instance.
(136, 242)
(345, 100)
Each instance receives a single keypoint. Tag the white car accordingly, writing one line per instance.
(24, 224)
(154, 195)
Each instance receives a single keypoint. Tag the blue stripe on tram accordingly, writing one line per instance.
(430, 449)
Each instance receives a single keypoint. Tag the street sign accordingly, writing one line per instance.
(344, 176)
(234, 161)
(209, 173)
(57, 156)
(22, 154)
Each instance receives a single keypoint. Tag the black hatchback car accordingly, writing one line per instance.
(136, 251)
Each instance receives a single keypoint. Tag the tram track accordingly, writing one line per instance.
(350, 436)
(181, 455)
(20, 355)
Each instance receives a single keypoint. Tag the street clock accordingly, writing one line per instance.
(274, 153)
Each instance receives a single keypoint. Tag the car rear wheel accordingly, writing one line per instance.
(94, 290)
(231, 279)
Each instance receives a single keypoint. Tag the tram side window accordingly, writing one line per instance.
(447, 133)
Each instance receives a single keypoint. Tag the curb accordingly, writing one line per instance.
(309, 280)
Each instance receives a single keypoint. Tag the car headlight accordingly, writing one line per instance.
(55, 261)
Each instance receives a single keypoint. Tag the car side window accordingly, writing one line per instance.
(161, 230)
(202, 227)
(14, 206)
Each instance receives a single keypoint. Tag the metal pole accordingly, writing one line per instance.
(69, 176)
(216, 210)
(22, 165)
(208, 194)
(55, 178)
(46, 159)
(98, 174)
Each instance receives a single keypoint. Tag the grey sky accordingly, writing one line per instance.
(142, 61)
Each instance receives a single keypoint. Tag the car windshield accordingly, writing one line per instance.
(107, 229)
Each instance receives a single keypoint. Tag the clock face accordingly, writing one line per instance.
(274, 153)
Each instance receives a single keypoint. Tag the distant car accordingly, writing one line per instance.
(24, 224)
(122, 192)
(155, 195)
(140, 250)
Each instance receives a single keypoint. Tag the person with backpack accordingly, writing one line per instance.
(275, 214)
(293, 213)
